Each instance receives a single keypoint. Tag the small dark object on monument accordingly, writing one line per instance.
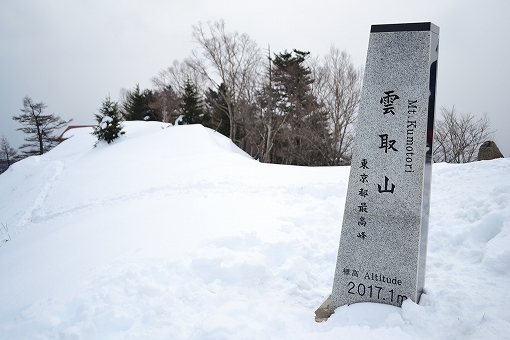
(489, 150)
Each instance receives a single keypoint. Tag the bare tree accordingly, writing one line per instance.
(337, 87)
(177, 75)
(39, 126)
(270, 121)
(457, 137)
(170, 84)
(7, 153)
(231, 59)
(165, 100)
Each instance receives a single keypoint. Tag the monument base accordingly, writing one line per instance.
(322, 313)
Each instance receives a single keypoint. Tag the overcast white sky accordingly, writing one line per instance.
(72, 54)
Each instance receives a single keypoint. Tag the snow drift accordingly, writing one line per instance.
(175, 233)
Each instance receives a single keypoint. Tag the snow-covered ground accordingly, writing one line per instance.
(175, 233)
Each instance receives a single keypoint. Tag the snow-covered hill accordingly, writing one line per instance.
(175, 233)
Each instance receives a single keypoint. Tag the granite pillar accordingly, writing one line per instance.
(383, 242)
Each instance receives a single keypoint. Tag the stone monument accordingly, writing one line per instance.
(383, 243)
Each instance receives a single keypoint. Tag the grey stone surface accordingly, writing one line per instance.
(322, 313)
(382, 250)
(489, 150)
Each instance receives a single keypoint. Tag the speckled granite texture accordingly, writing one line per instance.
(382, 250)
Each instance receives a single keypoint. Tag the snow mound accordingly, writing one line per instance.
(172, 232)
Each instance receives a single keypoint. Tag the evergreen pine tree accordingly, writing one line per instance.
(219, 118)
(110, 127)
(138, 105)
(191, 106)
(304, 141)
